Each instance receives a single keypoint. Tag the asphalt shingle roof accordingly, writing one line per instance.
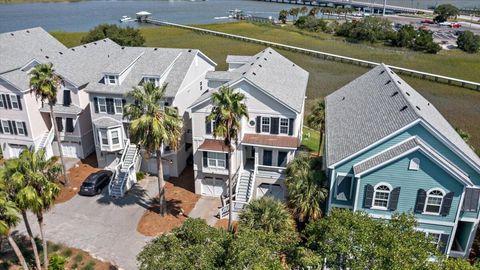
(59, 108)
(374, 106)
(273, 73)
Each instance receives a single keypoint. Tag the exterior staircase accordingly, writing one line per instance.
(125, 171)
(46, 141)
(245, 181)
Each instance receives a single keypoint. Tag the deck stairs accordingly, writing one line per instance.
(46, 141)
(125, 171)
(244, 183)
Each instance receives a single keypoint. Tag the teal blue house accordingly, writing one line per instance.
(389, 150)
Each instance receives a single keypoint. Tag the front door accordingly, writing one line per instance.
(267, 157)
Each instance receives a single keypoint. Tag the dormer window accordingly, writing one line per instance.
(154, 80)
(111, 79)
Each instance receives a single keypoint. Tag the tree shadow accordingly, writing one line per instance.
(136, 195)
(185, 180)
(173, 207)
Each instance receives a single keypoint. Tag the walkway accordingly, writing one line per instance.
(206, 208)
(105, 228)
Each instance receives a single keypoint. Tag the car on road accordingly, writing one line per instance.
(427, 21)
(95, 183)
(455, 25)
(445, 23)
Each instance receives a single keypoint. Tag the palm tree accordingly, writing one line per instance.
(42, 189)
(266, 214)
(316, 120)
(19, 191)
(305, 188)
(44, 83)
(303, 10)
(294, 12)
(8, 220)
(227, 112)
(152, 127)
(314, 11)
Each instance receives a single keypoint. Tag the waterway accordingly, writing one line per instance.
(84, 15)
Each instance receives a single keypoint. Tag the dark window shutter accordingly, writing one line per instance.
(110, 106)
(10, 126)
(470, 201)
(67, 99)
(1, 128)
(393, 201)
(59, 124)
(368, 196)
(14, 125)
(69, 125)
(19, 101)
(226, 161)
(258, 124)
(290, 127)
(275, 125)
(25, 128)
(123, 103)
(446, 204)
(9, 104)
(443, 243)
(95, 104)
(420, 204)
(344, 184)
(205, 161)
(208, 126)
(5, 105)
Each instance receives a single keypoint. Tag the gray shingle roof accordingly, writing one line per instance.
(220, 75)
(58, 108)
(105, 122)
(239, 58)
(385, 156)
(273, 73)
(374, 106)
(19, 47)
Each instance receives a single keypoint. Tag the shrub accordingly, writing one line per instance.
(312, 24)
(444, 12)
(404, 37)
(89, 266)
(78, 258)
(67, 252)
(370, 29)
(123, 36)
(140, 176)
(468, 42)
(424, 42)
(56, 262)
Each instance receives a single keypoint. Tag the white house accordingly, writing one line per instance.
(274, 88)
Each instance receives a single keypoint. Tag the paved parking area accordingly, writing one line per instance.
(206, 208)
(104, 227)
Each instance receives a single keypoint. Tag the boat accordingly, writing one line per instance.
(125, 19)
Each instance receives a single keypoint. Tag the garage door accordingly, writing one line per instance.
(70, 149)
(16, 149)
(272, 190)
(213, 186)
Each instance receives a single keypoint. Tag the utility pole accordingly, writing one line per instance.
(384, 7)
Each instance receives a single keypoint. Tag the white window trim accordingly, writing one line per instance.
(216, 159)
(104, 104)
(13, 99)
(375, 194)
(280, 126)
(425, 212)
(64, 123)
(19, 126)
(109, 132)
(3, 127)
(115, 105)
(262, 124)
(155, 80)
(108, 77)
(414, 164)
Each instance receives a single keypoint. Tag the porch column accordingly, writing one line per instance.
(256, 156)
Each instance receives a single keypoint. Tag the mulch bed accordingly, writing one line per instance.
(181, 199)
(77, 175)
(223, 224)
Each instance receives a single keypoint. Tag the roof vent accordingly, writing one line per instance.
(73, 49)
(258, 57)
(156, 49)
(343, 98)
(28, 31)
(391, 71)
(189, 50)
(94, 43)
(265, 59)
(244, 73)
(260, 65)
(269, 52)
(12, 34)
(418, 108)
(394, 94)
(46, 56)
(381, 72)
(389, 81)
(123, 48)
(60, 53)
(105, 40)
(41, 49)
(84, 46)
(293, 65)
(403, 108)
(252, 64)
(428, 104)
(254, 73)
(399, 82)
(408, 94)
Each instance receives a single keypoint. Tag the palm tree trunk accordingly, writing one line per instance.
(17, 251)
(32, 240)
(60, 151)
(320, 141)
(230, 192)
(44, 241)
(161, 185)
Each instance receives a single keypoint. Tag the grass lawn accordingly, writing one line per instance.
(458, 105)
(310, 139)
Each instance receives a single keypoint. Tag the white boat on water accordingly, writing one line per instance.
(125, 19)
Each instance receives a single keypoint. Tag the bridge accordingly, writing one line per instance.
(354, 4)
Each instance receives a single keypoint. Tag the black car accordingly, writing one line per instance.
(95, 183)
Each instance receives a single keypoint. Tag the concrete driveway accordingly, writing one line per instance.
(104, 227)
